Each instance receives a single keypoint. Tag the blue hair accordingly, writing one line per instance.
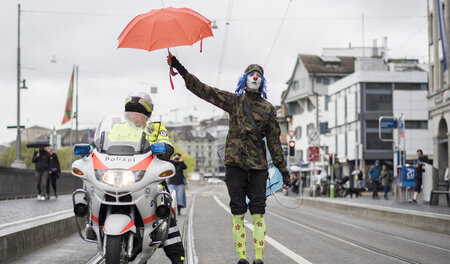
(242, 82)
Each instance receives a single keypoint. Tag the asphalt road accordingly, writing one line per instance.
(300, 235)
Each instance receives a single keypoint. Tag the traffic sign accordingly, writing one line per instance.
(389, 123)
(291, 133)
(313, 154)
(313, 137)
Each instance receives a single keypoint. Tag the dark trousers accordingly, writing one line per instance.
(241, 183)
(51, 179)
(375, 188)
(41, 181)
(386, 190)
(173, 246)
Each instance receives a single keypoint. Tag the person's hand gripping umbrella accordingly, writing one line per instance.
(165, 28)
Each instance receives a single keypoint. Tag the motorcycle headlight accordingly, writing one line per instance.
(119, 178)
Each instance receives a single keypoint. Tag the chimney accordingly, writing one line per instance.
(375, 48)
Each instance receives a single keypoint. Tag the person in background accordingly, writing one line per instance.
(446, 178)
(418, 164)
(54, 172)
(374, 176)
(42, 160)
(386, 180)
(178, 181)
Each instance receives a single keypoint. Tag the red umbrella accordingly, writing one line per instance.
(165, 28)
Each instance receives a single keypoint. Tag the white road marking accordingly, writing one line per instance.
(191, 254)
(297, 258)
(35, 218)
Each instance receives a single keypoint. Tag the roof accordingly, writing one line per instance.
(340, 65)
(316, 64)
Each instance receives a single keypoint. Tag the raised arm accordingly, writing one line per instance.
(222, 99)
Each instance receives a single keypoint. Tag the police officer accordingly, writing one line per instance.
(138, 109)
(245, 160)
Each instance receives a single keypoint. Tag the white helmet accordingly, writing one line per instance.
(139, 102)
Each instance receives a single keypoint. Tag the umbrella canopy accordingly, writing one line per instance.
(38, 143)
(165, 28)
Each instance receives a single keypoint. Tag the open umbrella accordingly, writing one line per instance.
(165, 28)
(38, 143)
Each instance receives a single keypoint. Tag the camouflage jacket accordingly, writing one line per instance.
(242, 149)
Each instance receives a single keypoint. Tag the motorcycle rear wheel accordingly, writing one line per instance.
(115, 250)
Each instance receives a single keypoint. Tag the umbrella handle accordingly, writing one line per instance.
(172, 72)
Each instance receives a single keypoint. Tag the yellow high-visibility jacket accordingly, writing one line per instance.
(156, 133)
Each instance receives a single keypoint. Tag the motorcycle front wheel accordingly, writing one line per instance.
(115, 250)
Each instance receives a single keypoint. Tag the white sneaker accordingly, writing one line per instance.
(42, 198)
(39, 197)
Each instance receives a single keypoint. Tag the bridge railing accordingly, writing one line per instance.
(21, 183)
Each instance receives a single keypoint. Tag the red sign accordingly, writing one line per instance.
(313, 154)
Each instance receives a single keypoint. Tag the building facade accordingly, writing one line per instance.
(198, 143)
(360, 99)
(438, 97)
(305, 102)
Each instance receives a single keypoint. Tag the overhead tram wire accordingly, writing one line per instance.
(277, 34)
(225, 39)
(235, 19)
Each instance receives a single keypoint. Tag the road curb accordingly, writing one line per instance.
(16, 241)
(439, 223)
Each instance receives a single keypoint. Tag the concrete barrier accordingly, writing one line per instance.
(17, 240)
(421, 220)
(20, 183)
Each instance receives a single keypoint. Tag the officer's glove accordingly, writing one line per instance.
(177, 65)
(286, 178)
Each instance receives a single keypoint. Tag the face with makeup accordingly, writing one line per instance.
(253, 81)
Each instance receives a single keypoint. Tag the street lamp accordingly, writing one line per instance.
(18, 163)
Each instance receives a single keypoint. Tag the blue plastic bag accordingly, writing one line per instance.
(274, 181)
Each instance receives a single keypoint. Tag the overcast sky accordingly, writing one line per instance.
(84, 33)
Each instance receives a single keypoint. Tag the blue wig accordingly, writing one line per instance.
(242, 82)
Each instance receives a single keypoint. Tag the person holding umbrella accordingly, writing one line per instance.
(251, 118)
(42, 160)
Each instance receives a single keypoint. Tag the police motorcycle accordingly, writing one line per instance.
(125, 205)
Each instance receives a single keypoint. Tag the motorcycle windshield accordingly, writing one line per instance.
(118, 135)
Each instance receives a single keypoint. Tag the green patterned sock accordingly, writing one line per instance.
(259, 234)
(239, 235)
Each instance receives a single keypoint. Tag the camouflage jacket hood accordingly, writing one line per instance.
(242, 148)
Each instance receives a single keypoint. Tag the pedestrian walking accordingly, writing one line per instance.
(178, 181)
(359, 178)
(374, 176)
(419, 164)
(54, 172)
(41, 159)
(386, 180)
(251, 119)
(446, 177)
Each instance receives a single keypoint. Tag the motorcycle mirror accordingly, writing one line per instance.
(82, 149)
(159, 148)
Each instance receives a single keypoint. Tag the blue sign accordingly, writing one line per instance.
(408, 177)
(389, 123)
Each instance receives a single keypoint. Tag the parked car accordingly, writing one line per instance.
(214, 181)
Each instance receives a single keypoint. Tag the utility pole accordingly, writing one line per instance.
(76, 108)
(18, 163)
